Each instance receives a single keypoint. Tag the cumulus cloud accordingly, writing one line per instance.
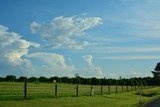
(52, 64)
(88, 59)
(130, 74)
(92, 70)
(17, 60)
(12, 50)
(138, 57)
(65, 31)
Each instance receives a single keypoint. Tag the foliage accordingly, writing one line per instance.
(86, 81)
(20, 79)
(157, 68)
(10, 78)
(149, 92)
(156, 75)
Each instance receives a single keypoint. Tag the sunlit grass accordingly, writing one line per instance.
(42, 94)
(126, 99)
(15, 90)
(149, 92)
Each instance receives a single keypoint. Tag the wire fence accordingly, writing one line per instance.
(20, 90)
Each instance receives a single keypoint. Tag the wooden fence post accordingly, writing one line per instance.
(127, 88)
(101, 90)
(77, 91)
(131, 88)
(116, 89)
(25, 89)
(122, 88)
(108, 89)
(135, 88)
(141, 87)
(92, 91)
(55, 90)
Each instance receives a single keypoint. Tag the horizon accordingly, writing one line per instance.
(107, 38)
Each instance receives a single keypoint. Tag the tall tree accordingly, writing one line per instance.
(156, 73)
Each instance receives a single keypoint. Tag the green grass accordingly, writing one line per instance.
(127, 99)
(42, 95)
(150, 92)
(15, 90)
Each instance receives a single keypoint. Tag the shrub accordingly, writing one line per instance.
(149, 92)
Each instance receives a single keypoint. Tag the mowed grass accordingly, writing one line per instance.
(42, 95)
(15, 90)
(126, 99)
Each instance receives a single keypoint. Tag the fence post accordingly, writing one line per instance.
(127, 88)
(141, 87)
(92, 91)
(122, 88)
(25, 89)
(77, 91)
(131, 88)
(116, 89)
(136, 88)
(55, 90)
(101, 90)
(108, 89)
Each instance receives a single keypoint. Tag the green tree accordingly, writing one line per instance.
(95, 81)
(55, 78)
(33, 79)
(43, 79)
(156, 73)
(10, 78)
(22, 79)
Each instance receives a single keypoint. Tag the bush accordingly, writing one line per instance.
(149, 92)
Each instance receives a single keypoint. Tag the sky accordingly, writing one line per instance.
(92, 38)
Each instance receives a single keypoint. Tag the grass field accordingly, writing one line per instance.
(42, 94)
(15, 90)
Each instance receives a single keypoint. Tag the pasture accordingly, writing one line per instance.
(43, 94)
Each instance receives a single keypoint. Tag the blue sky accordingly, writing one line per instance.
(94, 38)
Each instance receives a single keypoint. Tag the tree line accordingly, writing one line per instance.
(146, 81)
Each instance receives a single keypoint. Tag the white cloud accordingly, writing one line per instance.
(138, 57)
(130, 74)
(125, 49)
(88, 59)
(12, 50)
(142, 20)
(52, 64)
(92, 70)
(134, 49)
(65, 31)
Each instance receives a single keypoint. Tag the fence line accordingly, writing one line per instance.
(101, 90)
(39, 90)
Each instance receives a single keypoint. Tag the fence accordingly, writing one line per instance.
(15, 90)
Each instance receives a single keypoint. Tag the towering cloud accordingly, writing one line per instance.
(92, 70)
(52, 64)
(65, 31)
(88, 59)
(12, 50)
(16, 60)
